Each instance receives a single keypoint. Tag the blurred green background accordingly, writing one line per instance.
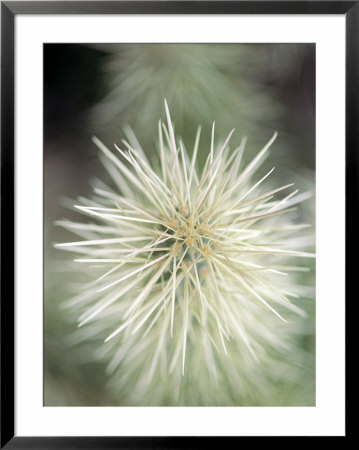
(100, 88)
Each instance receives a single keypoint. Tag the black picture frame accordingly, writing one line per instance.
(9, 10)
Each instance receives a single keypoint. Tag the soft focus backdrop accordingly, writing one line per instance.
(100, 89)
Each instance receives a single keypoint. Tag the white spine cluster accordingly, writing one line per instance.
(192, 274)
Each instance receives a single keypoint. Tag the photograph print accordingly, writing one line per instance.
(179, 224)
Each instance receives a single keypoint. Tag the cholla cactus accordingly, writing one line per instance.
(195, 78)
(192, 283)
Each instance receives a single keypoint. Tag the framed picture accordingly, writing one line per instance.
(175, 177)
